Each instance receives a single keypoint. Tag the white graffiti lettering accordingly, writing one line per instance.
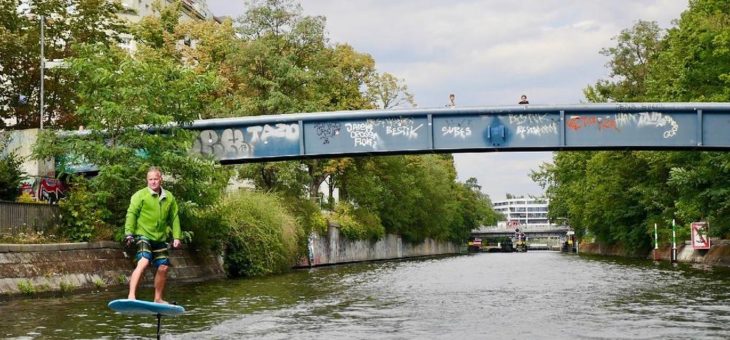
(403, 130)
(532, 118)
(657, 119)
(625, 119)
(538, 130)
(456, 131)
(263, 133)
(229, 144)
(362, 134)
(397, 126)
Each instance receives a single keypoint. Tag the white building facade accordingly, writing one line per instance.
(135, 10)
(524, 213)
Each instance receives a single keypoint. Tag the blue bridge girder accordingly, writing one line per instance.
(627, 126)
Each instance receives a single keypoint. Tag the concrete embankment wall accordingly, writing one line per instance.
(334, 248)
(717, 255)
(41, 268)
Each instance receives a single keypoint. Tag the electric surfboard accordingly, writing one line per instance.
(126, 306)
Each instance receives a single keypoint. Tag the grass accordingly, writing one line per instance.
(26, 287)
(66, 287)
(99, 283)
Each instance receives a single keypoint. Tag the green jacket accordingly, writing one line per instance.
(152, 217)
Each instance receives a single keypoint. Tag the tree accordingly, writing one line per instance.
(629, 66)
(67, 22)
(386, 91)
(284, 64)
(129, 104)
(694, 64)
(10, 173)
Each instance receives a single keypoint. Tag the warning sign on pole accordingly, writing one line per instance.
(700, 235)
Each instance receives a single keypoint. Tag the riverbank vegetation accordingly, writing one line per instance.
(618, 196)
(273, 60)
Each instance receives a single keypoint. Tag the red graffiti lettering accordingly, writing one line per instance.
(609, 124)
(578, 122)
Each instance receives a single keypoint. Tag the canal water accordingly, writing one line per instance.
(544, 295)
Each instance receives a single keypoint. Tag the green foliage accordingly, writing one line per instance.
(416, 197)
(629, 66)
(117, 95)
(206, 227)
(67, 22)
(695, 62)
(261, 237)
(357, 224)
(619, 196)
(80, 217)
(26, 287)
(702, 191)
(308, 213)
(38, 237)
(11, 175)
(66, 287)
(99, 283)
(388, 92)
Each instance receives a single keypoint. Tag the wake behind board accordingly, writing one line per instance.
(126, 306)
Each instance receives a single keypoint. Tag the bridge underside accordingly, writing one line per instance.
(639, 126)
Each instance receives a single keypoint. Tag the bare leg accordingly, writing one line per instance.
(160, 280)
(136, 276)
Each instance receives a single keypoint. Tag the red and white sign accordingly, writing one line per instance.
(700, 235)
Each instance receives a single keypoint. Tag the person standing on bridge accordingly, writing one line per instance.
(152, 213)
(452, 101)
(523, 100)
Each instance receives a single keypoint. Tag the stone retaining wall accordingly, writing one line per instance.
(718, 255)
(336, 249)
(37, 268)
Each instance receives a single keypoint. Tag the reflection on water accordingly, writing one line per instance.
(537, 294)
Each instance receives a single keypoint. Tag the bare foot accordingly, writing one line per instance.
(162, 302)
(131, 297)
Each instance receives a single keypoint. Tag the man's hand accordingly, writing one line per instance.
(129, 240)
(176, 243)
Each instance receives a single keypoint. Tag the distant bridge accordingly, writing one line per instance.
(653, 126)
(537, 238)
(535, 233)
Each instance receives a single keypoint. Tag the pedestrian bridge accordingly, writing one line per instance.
(649, 126)
(533, 233)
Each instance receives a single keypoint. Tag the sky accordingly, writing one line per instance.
(487, 53)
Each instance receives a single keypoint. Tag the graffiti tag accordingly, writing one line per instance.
(461, 129)
(327, 131)
(657, 119)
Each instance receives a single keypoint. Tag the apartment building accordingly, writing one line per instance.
(523, 213)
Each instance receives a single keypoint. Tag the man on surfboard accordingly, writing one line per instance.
(152, 212)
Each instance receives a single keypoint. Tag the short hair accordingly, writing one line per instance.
(155, 169)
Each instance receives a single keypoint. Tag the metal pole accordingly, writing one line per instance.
(674, 242)
(159, 318)
(656, 242)
(43, 66)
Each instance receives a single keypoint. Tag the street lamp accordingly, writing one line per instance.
(43, 65)
(50, 64)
